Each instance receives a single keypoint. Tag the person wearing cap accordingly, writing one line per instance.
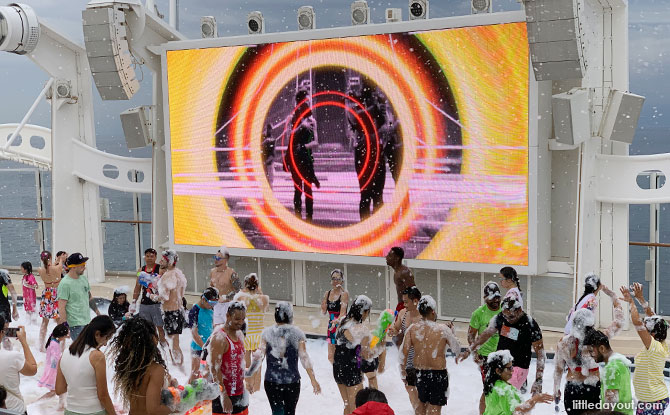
(226, 281)
(149, 309)
(479, 321)
(200, 319)
(171, 287)
(74, 296)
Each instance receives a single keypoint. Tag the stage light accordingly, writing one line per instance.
(19, 29)
(572, 117)
(255, 23)
(621, 116)
(393, 15)
(306, 18)
(208, 27)
(481, 6)
(108, 52)
(360, 12)
(418, 9)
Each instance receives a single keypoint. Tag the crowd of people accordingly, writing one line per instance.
(229, 344)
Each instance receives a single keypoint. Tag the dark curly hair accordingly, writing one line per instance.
(134, 349)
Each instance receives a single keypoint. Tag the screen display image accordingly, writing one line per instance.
(354, 145)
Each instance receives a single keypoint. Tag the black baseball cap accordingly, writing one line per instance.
(76, 259)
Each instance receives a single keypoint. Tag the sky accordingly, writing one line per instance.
(21, 80)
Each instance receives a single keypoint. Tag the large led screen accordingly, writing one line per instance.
(354, 145)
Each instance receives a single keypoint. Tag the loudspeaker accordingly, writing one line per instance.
(572, 116)
(306, 18)
(621, 116)
(136, 123)
(393, 15)
(554, 39)
(360, 13)
(208, 27)
(106, 42)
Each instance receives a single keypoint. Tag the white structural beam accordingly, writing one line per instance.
(111, 171)
(76, 224)
(616, 180)
(33, 149)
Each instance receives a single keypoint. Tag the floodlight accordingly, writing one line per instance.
(208, 27)
(360, 12)
(393, 15)
(19, 29)
(306, 18)
(255, 23)
(418, 9)
(481, 6)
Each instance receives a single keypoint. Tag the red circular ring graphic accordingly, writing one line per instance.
(358, 118)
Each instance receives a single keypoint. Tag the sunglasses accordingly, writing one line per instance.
(218, 258)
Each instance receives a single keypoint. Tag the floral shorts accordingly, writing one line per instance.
(49, 303)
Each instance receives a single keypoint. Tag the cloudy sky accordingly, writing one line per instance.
(21, 81)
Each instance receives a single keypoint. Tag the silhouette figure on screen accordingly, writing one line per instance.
(371, 175)
(302, 168)
(268, 152)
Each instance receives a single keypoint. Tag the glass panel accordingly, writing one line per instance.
(317, 280)
(243, 265)
(460, 293)
(426, 281)
(549, 309)
(277, 278)
(369, 280)
(19, 200)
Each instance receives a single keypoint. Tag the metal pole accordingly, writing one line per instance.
(40, 209)
(136, 228)
(174, 14)
(28, 114)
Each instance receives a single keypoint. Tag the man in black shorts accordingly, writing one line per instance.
(430, 341)
(149, 309)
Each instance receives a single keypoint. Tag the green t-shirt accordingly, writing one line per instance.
(75, 292)
(503, 399)
(480, 321)
(616, 376)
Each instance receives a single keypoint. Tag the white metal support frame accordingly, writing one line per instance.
(35, 153)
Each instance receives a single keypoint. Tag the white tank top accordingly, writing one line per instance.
(81, 387)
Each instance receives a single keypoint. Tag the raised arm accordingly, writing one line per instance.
(635, 318)
(639, 296)
(617, 322)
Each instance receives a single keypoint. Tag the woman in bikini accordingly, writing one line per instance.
(51, 275)
(335, 303)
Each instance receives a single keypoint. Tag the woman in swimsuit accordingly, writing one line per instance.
(51, 276)
(140, 372)
(335, 303)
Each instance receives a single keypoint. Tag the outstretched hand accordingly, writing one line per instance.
(626, 294)
(638, 291)
(462, 356)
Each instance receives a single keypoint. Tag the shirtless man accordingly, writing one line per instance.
(171, 287)
(402, 276)
(430, 341)
(225, 280)
(51, 275)
(406, 317)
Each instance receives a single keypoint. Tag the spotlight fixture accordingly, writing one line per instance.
(208, 27)
(481, 6)
(306, 18)
(393, 15)
(255, 23)
(418, 9)
(19, 29)
(360, 12)
(63, 89)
